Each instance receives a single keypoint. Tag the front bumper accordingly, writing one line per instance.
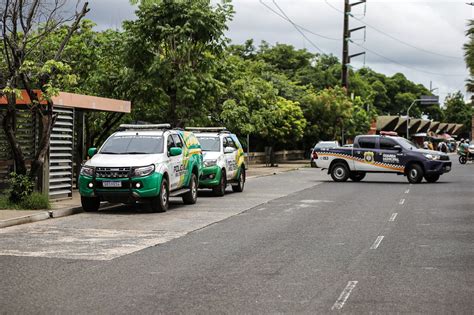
(149, 187)
(437, 167)
(211, 176)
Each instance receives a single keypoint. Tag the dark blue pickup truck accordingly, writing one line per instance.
(381, 154)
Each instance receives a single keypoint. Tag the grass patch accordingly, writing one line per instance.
(35, 201)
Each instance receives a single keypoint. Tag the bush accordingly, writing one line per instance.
(35, 201)
(21, 186)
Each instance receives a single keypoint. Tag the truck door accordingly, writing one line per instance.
(174, 164)
(183, 160)
(231, 157)
(390, 155)
(364, 154)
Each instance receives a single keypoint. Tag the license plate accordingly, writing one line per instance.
(111, 184)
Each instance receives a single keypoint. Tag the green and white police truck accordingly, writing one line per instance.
(142, 163)
(224, 161)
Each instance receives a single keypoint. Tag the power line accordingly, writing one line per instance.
(295, 26)
(403, 65)
(299, 26)
(393, 37)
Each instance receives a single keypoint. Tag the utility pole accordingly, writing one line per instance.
(346, 36)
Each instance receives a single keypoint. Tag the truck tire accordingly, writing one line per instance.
(219, 190)
(432, 178)
(340, 172)
(90, 204)
(161, 202)
(357, 176)
(190, 197)
(415, 174)
(240, 182)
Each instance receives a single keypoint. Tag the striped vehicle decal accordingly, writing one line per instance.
(360, 160)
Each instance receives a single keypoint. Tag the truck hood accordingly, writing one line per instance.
(210, 155)
(125, 160)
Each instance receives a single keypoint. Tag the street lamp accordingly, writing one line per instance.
(408, 117)
(425, 100)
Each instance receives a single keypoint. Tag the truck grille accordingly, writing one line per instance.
(112, 172)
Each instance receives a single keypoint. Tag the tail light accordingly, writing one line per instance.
(315, 155)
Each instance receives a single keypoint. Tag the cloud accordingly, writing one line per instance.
(436, 26)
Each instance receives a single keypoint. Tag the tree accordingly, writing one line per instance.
(459, 112)
(33, 68)
(469, 56)
(173, 49)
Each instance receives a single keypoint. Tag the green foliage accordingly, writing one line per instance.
(173, 50)
(35, 201)
(21, 186)
(469, 55)
(458, 111)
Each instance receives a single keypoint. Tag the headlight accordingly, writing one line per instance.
(208, 163)
(432, 156)
(143, 171)
(87, 171)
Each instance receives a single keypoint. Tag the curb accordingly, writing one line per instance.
(51, 214)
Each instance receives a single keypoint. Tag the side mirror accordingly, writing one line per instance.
(397, 147)
(175, 151)
(229, 150)
(91, 152)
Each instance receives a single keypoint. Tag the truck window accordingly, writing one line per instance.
(367, 143)
(387, 144)
(231, 143)
(170, 143)
(177, 141)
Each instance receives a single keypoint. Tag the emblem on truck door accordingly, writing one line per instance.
(369, 157)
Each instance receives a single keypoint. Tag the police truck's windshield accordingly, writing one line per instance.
(133, 145)
(211, 144)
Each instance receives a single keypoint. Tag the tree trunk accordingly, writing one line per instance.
(8, 125)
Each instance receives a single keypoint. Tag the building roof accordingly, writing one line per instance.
(79, 101)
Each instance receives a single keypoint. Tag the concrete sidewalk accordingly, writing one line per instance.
(67, 207)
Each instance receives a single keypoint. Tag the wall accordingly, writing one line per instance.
(280, 156)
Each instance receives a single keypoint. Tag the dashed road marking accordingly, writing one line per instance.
(344, 295)
(407, 191)
(393, 217)
(402, 201)
(377, 242)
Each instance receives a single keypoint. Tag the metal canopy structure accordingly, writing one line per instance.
(58, 172)
(399, 123)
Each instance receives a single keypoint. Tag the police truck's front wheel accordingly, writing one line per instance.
(161, 202)
(340, 172)
(415, 174)
(220, 189)
(190, 197)
(90, 204)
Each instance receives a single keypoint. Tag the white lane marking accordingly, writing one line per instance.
(344, 295)
(393, 217)
(261, 209)
(377, 242)
(402, 201)
(316, 201)
(407, 191)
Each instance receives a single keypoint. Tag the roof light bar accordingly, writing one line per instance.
(144, 127)
(207, 129)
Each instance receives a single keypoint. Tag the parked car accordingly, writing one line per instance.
(142, 163)
(224, 162)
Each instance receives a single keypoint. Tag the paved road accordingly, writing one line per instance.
(305, 245)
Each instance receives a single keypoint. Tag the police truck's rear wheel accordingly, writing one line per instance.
(161, 202)
(220, 189)
(415, 174)
(432, 178)
(357, 176)
(239, 187)
(340, 172)
(90, 204)
(190, 197)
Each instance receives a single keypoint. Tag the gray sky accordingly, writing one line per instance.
(435, 27)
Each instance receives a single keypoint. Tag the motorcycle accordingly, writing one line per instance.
(464, 157)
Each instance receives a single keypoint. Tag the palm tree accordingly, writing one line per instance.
(469, 55)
